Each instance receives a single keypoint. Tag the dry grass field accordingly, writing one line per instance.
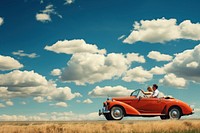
(140, 126)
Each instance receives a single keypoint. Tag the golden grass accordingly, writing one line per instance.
(172, 126)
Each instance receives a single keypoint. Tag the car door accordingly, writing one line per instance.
(148, 105)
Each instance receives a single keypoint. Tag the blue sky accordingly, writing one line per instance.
(64, 57)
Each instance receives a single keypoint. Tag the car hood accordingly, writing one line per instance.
(123, 98)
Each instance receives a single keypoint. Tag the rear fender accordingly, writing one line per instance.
(129, 110)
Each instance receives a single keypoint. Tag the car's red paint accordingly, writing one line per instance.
(143, 106)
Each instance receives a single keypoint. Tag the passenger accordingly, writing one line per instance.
(155, 91)
(148, 92)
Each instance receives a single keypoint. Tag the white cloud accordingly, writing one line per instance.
(39, 99)
(45, 15)
(23, 102)
(59, 104)
(135, 57)
(63, 93)
(22, 54)
(109, 91)
(90, 68)
(192, 64)
(172, 80)
(186, 64)
(73, 116)
(56, 72)
(74, 46)
(78, 101)
(18, 78)
(162, 30)
(5, 117)
(69, 2)
(29, 84)
(121, 37)
(9, 103)
(159, 57)
(9, 63)
(88, 101)
(52, 116)
(1, 21)
(157, 70)
(2, 105)
(137, 74)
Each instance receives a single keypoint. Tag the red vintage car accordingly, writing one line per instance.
(138, 104)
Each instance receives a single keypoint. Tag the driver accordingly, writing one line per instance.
(155, 91)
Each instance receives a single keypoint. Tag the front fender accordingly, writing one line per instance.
(128, 109)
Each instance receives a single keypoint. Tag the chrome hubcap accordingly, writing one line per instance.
(174, 114)
(117, 113)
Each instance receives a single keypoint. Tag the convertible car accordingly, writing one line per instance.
(138, 104)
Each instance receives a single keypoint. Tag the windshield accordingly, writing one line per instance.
(135, 93)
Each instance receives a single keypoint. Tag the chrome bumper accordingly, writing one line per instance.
(103, 111)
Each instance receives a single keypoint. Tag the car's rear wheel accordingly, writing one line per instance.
(174, 113)
(117, 113)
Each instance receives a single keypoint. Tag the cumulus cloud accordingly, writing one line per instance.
(159, 57)
(23, 102)
(1, 21)
(173, 80)
(30, 84)
(5, 117)
(2, 105)
(90, 68)
(52, 116)
(192, 64)
(110, 91)
(22, 54)
(39, 99)
(9, 63)
(56, 72)
(163, 30)
(69, 2)
(87, 101)
(19, 78)
(9, 103)
(135, 57)
(186, 64)
(74, 46)
(137, 74)
(59, 104)
(121, 37)
(45, 15)
(78, 101)
(157, 70)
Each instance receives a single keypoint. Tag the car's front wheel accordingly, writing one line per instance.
(117, 113)
(174, 113)
(164, 117)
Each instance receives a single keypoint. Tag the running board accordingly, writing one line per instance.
(151, 114)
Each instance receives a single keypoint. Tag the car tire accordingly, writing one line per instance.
(164, 117)
(117, 113)
(174, 113)
(108, 117)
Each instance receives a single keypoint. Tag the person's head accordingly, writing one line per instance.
(150, 89)
(155, 87)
